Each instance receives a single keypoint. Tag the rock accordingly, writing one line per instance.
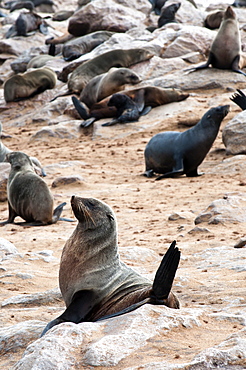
(104, 343)
(180, 216)
(104, 15)
(68, 130)
(50, 296)
(14, 337)
(67, 180)
(4, 174)
(234, 134)
(232, 208)
(230, 166)
(197, 230)
(241, 243)
(7, 249)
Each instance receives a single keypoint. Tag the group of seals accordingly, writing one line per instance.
(176, 153)
(28, 194)
(93, 281)
(21, 86)
(146, 96)
(226, 47)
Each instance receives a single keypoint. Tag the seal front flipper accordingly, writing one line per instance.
(240, 99)
(77, 311)
(80, 108)
(165, 275)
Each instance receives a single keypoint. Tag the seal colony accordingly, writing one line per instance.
(176, 153)
(93, 281)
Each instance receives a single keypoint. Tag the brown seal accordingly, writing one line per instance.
(82, 73)
(28, 194)
(213, 20)
(146, 96)
(74, 48)
(39, 61)
(93, 281)
(22, 86)
(226, 47)
(106, 84)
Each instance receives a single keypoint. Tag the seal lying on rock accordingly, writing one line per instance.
(22, 86)
(94, 283)
(176, 153)
(28, 194)
(226, 47)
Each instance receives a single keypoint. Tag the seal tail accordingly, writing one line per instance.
(166, 272)
(239, 98)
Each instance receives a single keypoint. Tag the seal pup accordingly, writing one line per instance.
(4, 151)
(213, 20)
(176, 153)
(239, 98)
(226, 47)
(28, 194)
(106, 84)
(28, 84)
(146, 96)
(93, 281)
(78, 46)
(168, 14)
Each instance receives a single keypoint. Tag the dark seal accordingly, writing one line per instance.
(94, 283)
(176, 153)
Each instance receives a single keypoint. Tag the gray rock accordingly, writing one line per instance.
(68, 130)
(14, 337)
(234, 134)
(7, 249)
(67, 180)
(232, 208)
(50, 296)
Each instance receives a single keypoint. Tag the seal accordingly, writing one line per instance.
(213, 20)
(28, 84)
(93, 281)
(168, 14)
(83, 73)
(74, 48)
(40, 61)
(4, 151)
(28, 194)
(146, 96)
(28, 22)
(239, 98)
(106, 84)
(174, 153)
(226, 47)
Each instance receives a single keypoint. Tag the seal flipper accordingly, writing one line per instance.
(235, 65)
(240, 99)
(57, 212)
(12, 215)
(165, 274)
(76, 312)
(80, 108)
(177, 170)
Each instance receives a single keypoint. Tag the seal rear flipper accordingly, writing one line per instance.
(76, 312)
(235, 65)
(145, 111)
(165, 274)
(240, 99)
(139, 99)
(80, 108)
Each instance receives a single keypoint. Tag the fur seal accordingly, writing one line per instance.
(4, 151)
(30, 83)
(239, 3)
(157, 5)
(62, 15)
(28, 22)
(39, 61)
(28, 194)
(76, 47)
(213, 20)
(168, 14)
(146, 96)
(226, 47)
(176, 153)
(239, 98)
(106, 84)
(93, 281)
(82, 73)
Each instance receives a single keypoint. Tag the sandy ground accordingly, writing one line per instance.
(111, 169)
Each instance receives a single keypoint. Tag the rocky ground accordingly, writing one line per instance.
(209, 329)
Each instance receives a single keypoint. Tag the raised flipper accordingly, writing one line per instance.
(81, 305)
(240, 99)
(165, 274)
(139, 99)
(80, 108)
